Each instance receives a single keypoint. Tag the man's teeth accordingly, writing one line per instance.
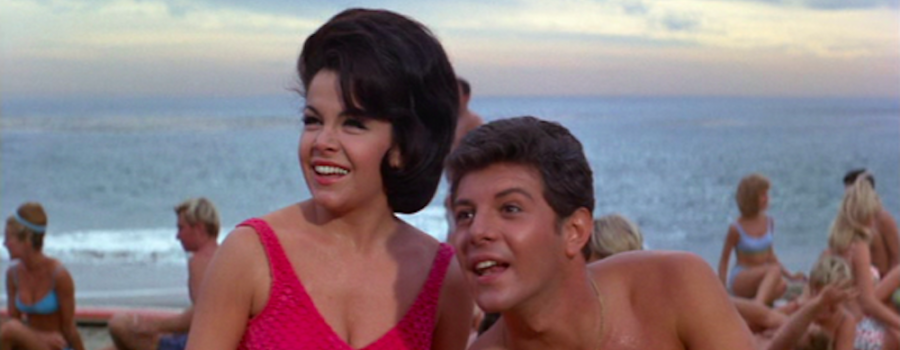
(330, 170)
(485, 265)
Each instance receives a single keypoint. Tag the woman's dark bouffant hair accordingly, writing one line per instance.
(392, 68)
(541, 145)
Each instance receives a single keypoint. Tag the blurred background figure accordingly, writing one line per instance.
(613, 234)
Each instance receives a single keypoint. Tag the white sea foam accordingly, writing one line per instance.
(159, 245)
(110, 246)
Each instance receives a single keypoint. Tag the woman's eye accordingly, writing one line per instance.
(355, 123)
(311, 120)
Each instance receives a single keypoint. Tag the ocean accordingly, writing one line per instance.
(109, 171)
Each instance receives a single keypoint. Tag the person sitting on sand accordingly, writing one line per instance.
(522, 194)
(40, 292)
(757, 273)
(828, 318)
(198, 231)
(885, 244)
(614, 234)
(849, 237)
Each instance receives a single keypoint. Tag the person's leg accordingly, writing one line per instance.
(771, 287)
(126, 332)
(173, 341)
(758, 317)
(16, 335)
(746, 282)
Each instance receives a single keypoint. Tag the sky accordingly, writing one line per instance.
(233, 48)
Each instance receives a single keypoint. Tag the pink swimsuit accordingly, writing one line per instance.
(291, 321)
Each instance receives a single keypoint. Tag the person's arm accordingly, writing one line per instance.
(888, 284)
(887, 227)
(14, 312)
(180, 323)
(845, 335)
(454, 312)
(705, 316)
(225, 301)
(860, 264)
(730, 241)
(795, 327)
(774, 260)
(65, 291)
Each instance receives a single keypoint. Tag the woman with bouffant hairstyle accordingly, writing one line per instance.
(40, 293)
(340, 270)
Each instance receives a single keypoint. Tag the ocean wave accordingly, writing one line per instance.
(159, 245)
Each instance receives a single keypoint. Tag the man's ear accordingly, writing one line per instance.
(577, 230)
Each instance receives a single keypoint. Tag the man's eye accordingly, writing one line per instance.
(463, 215)
(509, 208)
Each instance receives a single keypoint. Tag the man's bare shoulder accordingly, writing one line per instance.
(643, 274)
(648, 261)
(491, 339)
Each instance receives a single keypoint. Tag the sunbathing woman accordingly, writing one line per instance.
(757, 273)
(40, 293)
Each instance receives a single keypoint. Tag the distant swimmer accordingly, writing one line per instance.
(198, 231)
(40, 292)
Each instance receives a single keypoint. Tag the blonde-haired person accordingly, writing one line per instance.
(40, 292)
(613, 234)
(849, 237)
(198, 231)
(757, 273)
(885, 243)
(827, 318)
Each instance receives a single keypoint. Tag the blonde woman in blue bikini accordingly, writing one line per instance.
(40, 292)
(757, 273)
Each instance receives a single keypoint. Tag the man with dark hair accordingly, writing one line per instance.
(885, 247)
(522, 197)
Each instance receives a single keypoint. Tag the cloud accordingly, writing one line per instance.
(832, 4)
(232, 47)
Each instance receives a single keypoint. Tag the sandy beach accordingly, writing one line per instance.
(94, 336)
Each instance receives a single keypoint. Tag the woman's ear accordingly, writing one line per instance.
(395, 158)
(577, 230)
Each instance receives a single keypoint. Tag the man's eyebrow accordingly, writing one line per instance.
(504, 193)
(514, 190)
(460, 202)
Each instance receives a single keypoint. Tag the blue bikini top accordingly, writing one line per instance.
(750, 244)
(49, 304)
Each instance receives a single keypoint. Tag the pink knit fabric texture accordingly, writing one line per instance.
(291, 321)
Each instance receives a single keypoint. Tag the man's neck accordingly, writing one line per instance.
(568, 319)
